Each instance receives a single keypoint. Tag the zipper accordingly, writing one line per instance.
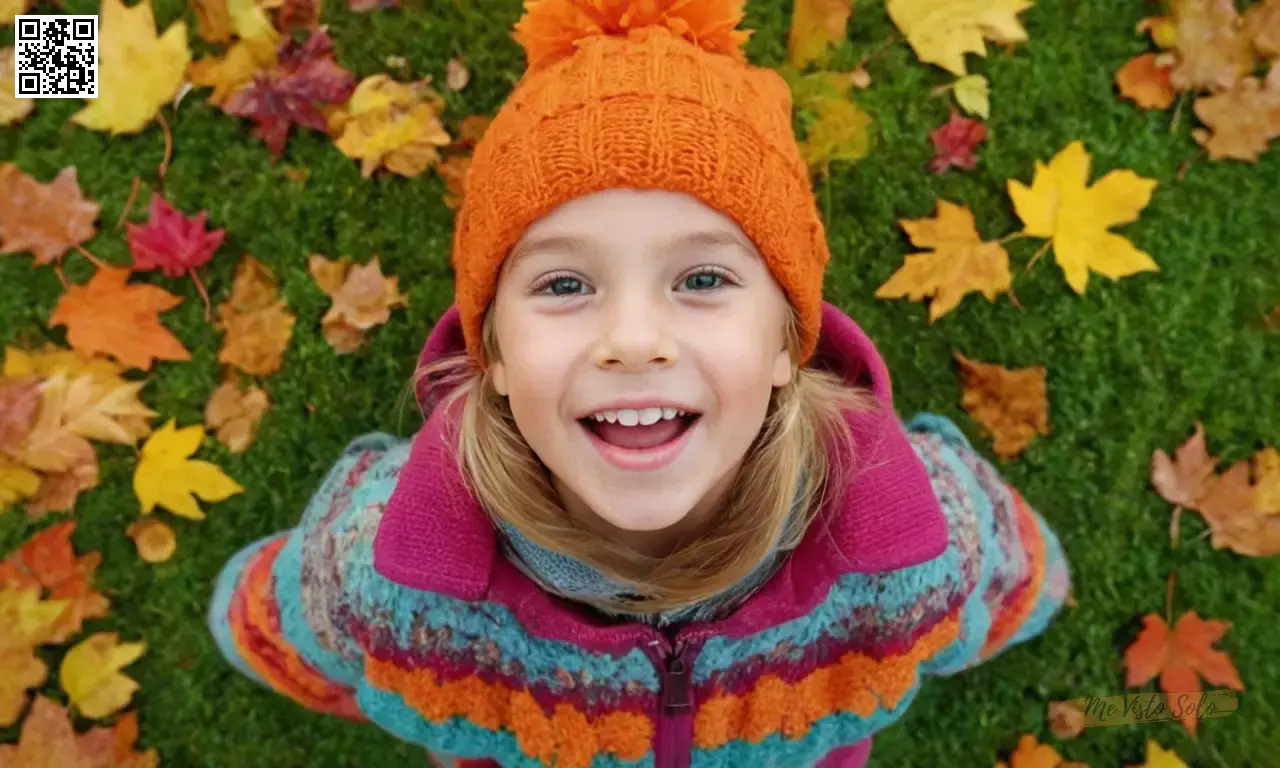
(674, 744)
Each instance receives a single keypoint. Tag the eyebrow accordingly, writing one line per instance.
(713, 238)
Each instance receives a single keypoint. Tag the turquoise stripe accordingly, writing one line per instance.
(460, 737)
(293, 621)
(472, 624)
(1053, 593)
(227, 582)
(894, 594)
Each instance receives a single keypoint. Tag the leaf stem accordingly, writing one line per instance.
(204, 295)
(128, 204)
(1011, 237)
(168, 145)
(1014, 298)
(1174, 527)
(96, 261)
(57, 268)
(1177, 111)
(1168, 598)
(1037, 255)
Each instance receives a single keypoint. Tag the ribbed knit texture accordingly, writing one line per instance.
(648, 110)
(831, 649)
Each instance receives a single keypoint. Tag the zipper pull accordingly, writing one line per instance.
(677, 693)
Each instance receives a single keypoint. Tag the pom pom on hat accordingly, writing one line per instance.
(553, 29)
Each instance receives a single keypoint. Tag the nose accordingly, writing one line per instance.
(635, 333)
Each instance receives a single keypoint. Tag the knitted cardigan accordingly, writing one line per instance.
(393, 601)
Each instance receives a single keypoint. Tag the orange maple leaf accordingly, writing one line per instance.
(48, 560)
(1181, 658)
(119, 320)
(1032, 754)
(1145, 80)
(46, 219)
(1245, 516)
(257, 321)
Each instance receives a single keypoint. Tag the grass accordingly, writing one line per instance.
(1131, 364)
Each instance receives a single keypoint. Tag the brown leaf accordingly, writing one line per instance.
(1262, 27)
(1185, 479)
(454, 172)
(1032, 754)
(1213, 52)
(328, 274)
(19, 401)
(363, 301)
(213, 20)
(1066, 721)
(49, 741)
(154, 540)
(297, 15)
(1234, 510)
(45, 219)
(1243, 119)
(1011, 404)
(59, 490)
(469, 131)
(235, 412)
(456, 74)
(1144, 80)
(258, 324)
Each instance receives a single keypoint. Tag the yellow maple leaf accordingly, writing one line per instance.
(942, 31)
(973, 94)
(961, 263)
(167, 477)
(10, 8)
(815, 26)
(1060, 205)
(16, 483)
(138, 72)
(228, 72)
(26, 621)
(392, 124)
(12, 109)
(842, 131)
(90, 674)
(1158, 757)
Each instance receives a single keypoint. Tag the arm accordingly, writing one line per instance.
(1014, 569)
(275, 611)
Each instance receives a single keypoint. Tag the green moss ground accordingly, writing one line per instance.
(1131, 365)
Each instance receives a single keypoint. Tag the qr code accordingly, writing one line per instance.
(57, 57)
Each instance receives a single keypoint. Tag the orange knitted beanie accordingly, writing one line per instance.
(647, 94)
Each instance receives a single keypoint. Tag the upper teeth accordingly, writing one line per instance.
(629, 417)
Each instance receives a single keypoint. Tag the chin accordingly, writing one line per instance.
(639, 512)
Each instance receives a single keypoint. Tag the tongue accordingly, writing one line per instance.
(638, 437)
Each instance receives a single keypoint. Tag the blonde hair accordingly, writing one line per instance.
(782, 485)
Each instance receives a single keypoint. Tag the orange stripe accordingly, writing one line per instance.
(255, 629)
(567, 736)
(856, 683)
(1019, 605)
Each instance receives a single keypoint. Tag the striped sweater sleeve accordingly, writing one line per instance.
(1014, 574)
(276, 612)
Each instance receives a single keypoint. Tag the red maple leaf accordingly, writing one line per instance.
(305, 75)
(174, 243)
(954, 142)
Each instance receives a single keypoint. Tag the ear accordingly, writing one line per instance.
(498, 374)
(783, 370)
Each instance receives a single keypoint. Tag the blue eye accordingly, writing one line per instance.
(560, 285)
(704, 280)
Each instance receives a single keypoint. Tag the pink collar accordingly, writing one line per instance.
(435, 536)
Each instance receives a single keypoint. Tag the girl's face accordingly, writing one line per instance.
(640, 336)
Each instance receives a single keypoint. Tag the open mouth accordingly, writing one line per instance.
(642, 429)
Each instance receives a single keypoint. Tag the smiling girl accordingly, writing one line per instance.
(662, 511)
